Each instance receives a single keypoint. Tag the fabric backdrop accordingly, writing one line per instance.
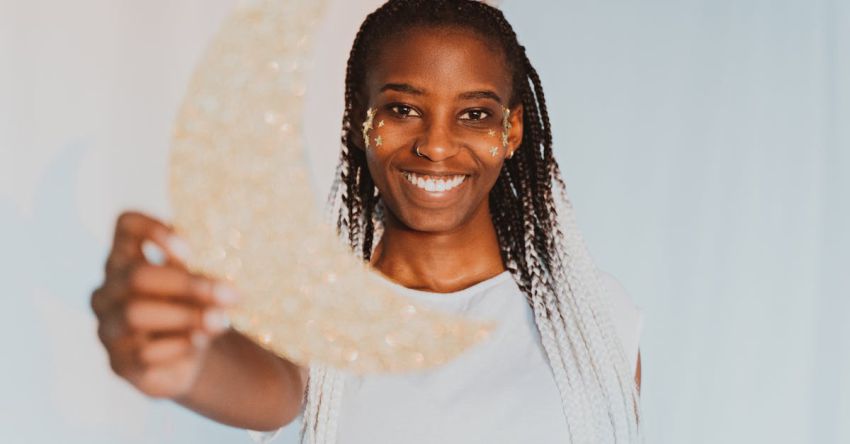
(705, 144)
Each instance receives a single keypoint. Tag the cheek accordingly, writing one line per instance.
(488, 145)
(384, 145)
(387, 137)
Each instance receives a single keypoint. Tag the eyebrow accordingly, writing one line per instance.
(486, 94)
(402, 87)
(470, 95)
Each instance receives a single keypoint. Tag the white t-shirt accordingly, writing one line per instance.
(499, 391)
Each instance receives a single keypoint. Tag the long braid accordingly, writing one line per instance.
(568, 308)
(539, 240)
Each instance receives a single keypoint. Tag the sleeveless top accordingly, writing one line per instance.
(499, 391)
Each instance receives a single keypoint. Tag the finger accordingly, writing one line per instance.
(132, 229)
(99, 302)
(178, 284)
(122, 347)
(158, 315)
(155, 317)
(164, 350)
(156, 255)
(170, 380)
(113, 331)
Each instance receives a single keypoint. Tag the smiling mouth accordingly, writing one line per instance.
(434, 184)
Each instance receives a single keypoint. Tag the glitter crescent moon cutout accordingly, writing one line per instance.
(240, 195)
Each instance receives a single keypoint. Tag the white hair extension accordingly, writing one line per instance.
(594, 308)
(323, 416)
(309, 418)
(547, 316)
(323, 399)
(338, 379)
(613, 374)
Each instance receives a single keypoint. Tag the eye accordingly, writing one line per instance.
(404, 111)
(475, 114)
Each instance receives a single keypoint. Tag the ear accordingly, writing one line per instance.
(515, 134)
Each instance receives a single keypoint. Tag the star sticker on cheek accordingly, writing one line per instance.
(494, 151)
(379, 140)
(380, 124)
(491, 132)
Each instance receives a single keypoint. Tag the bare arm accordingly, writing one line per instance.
(243, 385)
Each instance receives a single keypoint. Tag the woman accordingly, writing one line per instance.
(448, 186)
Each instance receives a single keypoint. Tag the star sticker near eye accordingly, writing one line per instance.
(379, 140)
(494, 150)
(491, 132)
(380, 124)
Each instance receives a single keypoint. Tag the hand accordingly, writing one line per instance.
(157, 322)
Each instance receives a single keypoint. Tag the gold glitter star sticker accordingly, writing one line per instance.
(491, 132)
(379, 141)
(506, 126)
(494, 150)
(367, 125)
(380, 124)
(370, 114)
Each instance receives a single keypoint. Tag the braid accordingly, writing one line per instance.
(539, 241)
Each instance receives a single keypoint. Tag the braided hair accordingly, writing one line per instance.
(538, 238)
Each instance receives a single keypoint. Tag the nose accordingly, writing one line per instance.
(437, 143)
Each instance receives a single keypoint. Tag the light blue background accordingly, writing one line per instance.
(705, 145)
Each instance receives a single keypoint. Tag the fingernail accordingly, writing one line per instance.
(199, 339)
(179, 248)
(153, 253)
(225, 294)
(216, 320)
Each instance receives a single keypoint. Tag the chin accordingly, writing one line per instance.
(431, 221)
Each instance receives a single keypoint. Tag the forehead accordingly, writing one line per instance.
(442, 60)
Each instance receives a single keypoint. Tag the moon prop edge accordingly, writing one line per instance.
(241, 198)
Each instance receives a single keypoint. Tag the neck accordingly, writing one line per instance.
(440, 262)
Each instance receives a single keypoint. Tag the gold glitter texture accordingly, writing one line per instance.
(367, 125)
(240, 193)
(506, 126)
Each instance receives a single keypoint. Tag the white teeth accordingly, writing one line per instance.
(432, 184)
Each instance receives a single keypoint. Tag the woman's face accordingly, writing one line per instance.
(443, 91)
